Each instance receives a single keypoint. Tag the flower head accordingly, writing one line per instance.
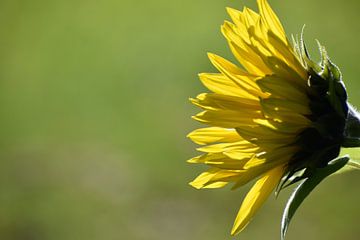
(275, 119)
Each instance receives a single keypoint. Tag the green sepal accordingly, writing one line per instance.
(351, 142)
(304, 189)
(332, 77)
(324, 75)
(337, 95)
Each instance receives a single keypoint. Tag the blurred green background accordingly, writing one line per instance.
(94, 113)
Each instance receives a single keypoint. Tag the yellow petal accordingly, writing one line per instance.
(250, 174)
(271, 19)
(203, 178)
(254, 162)
(254, 172)
(210, 135)
(271, 157)
(216, 185)
(251, 17)
(228, 118)
(215, 175)
(291, 128)
(280, 155)
(277, 113)
(235, 15)
(220, 160)
(270, 46)
(286, 106)
(213, 101)
(256, 198)
(218, 83)
(283, 88)
(287, 52)
(241, 78)
(242, 50)
(265, 133)
(227, 147)
(239, 20)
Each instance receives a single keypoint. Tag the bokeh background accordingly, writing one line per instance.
(94, 111)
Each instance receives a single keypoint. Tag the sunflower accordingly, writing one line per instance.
(275, 120)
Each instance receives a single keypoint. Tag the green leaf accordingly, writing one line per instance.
(304, 189)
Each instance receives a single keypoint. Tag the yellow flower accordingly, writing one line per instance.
(278, 117)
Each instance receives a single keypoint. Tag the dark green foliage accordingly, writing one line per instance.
(304, 189)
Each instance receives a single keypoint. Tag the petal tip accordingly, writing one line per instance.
(211, 55)
(195, 185)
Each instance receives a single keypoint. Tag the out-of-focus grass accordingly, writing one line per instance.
(94, 113)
